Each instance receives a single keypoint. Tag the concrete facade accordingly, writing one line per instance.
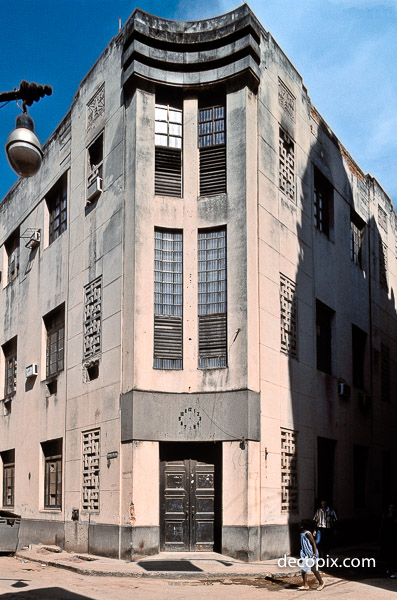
(276, 419)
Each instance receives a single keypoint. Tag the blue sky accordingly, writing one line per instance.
(346, 51)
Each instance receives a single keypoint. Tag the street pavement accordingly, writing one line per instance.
(46, 573)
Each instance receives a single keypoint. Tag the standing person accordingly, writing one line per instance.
(325, 518)
(309, 556)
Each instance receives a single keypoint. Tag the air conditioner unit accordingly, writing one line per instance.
(94, 189)
(343, 389)
(31, 371)
(34, 239)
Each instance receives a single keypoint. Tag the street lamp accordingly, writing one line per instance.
(23, 148)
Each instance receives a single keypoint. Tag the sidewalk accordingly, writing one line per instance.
(177, 565)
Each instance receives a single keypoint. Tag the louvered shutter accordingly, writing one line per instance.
(168, 172)
(212, 340)
(212, 171)
(167, 337)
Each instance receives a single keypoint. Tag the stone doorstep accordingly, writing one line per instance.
(86, 564)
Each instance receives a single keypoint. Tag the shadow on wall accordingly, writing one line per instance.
(335, 445)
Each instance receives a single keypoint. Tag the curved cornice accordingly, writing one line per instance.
(191, 53)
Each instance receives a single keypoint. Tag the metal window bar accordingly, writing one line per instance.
(10, 385)
(53, 482)
(212, 298)
(57, 206)
(168, 299)
(8, 484)
(55, 345)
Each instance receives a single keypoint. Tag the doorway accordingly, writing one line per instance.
(190, 496)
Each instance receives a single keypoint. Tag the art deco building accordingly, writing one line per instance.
(198, 321)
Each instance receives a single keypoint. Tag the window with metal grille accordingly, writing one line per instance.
(91, 458)
(55, 326)
(288, 315)
(168, 151)
(212, 147)
(212, 298)
(57, 208)
(357, 230)
(359, 339)
(286, 165)
(12, 246)
(10, 378)
(8, 459)
(168, 299)
(289, 471)
(92, 318)
(385, 372)
(323, 202)
(52, 452)
(324, 317)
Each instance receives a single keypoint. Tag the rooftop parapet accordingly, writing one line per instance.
(192, 53)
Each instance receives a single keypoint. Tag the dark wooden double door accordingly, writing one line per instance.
(188, 519)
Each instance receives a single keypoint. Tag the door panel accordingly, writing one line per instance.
(187, 505)
(174, 505)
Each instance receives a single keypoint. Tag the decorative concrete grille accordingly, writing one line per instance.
(286, 165)
(96, 106)
(289, 473)
(382, 218)
(92, 318)
(286, 99)
(91, 458)
(288, 315)
(383, 265)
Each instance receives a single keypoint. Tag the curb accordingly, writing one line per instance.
(157, 574)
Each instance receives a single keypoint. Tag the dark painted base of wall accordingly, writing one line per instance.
(243, 543)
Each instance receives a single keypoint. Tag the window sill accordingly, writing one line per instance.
(50, 510)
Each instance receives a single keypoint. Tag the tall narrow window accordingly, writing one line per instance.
(168, 151)
(91, 458)
(289, 471)
(288, 315)
(360, 473)
(358, 355)
(8, 459)
(383, 265)
(12, 249)
(212, 147)
(168, 299)
(286, 165)
(324, 316)
(55, 325)
(95, 169)
(57, 208)
(357, 229)
(385, 372)
(323, 202)
(10, 357)
(212, 298)
(92, 318)
(52, 452)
